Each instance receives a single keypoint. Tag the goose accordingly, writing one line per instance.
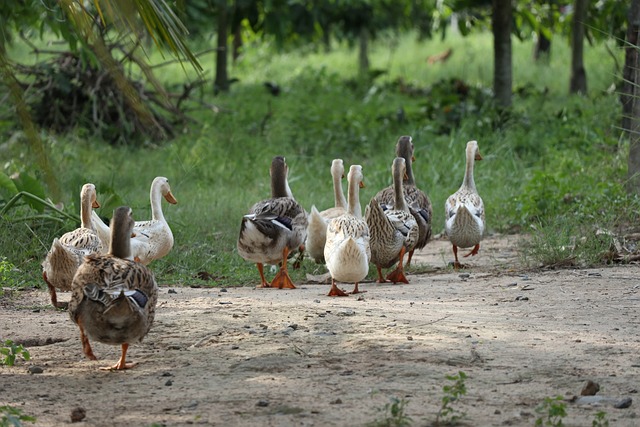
(418, 202)
(151, 239)
(318, 221)
(68, 251)
(464, 210)
(274, 228)
(347, 250)
(114, 298)
(393, 231)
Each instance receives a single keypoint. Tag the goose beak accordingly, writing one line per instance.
(95, 204)
(169, 198)
(133, 235)
(413, 158)
(361, 184)
(478, 155)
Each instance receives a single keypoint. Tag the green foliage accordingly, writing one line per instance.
(9, 275)
(552, 410)
(11, 351)
(13, 417)
(219, 165)
(393, 414)
(448, 414)
(600, 419)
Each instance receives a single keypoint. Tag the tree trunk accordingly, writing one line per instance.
(363, 52)
(237, 43)
(578, 82)
(542, 50)
(631, 95)
(631, 48)
(221, 83)
(502, 67)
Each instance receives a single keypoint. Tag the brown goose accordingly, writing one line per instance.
(68, 251)
(393, 231)
(274, 228)
(418, 202)
(464, 210)
(114, 298)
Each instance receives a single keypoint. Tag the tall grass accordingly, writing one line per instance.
(551, 155)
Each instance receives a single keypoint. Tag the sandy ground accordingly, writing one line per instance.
(255, 357)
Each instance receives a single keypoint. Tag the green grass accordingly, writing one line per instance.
(551, 155)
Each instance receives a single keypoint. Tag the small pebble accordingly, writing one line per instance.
(167, 374)
(410, 338)
(168, 383)
(78, 414)
(223, 290)
(35, 370)
(172, 291)
(262, 403)
(338, 401)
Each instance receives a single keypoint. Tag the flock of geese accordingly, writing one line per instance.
(114, 294)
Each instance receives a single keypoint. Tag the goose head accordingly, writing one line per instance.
(121, 232)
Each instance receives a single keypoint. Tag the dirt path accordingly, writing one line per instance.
(252, 357)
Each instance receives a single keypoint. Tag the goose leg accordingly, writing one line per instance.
(263, 281)
(381, 278)
(474, 251)
(409, 258)
(86, 346)
(336, 291)
(122, 363)
(53, 295)
(282, 279)
(397, 275)
(356, 291)
(456, 263)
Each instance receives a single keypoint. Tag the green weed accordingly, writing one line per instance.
(600, 419)
(393, 414)
(552, 410)
(11, 351)
(448, 414)
(13, 417)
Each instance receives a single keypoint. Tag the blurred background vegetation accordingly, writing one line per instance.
(206, 92)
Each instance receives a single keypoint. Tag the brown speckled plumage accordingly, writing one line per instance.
(114, 298)
(274, 228)
(393, 231)
(68, 251)
(417, 201)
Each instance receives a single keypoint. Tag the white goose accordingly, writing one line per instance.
(347, 251)
(68, 251)
(318, 221)
(464, 210)
(151, 239)
(393, 231)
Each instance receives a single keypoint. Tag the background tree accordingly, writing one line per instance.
(630, 96)
(502, 69)
(578, 83)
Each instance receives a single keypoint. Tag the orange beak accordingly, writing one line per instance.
(95, 204)
(478, 155)
(169, 198)
(413, 158)
(361, 184)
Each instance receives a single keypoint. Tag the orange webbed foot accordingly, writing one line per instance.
(282, 281)
(356, 290)
(397, 276)
(474, 251)
(336, 291)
